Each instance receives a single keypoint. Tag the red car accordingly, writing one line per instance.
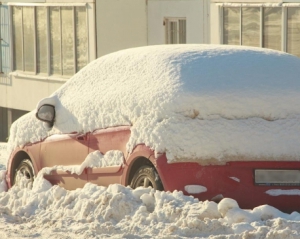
(210, 121)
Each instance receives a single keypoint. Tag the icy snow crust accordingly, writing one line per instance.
(205, 103)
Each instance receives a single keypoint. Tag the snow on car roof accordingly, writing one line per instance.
(206, 103)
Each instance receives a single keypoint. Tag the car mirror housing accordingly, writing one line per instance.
(46, 113)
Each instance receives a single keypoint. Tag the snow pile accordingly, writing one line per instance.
(3, 154)
(3, 184)
(204, 103)
(120, 212)
(97, 160)
(3, 160)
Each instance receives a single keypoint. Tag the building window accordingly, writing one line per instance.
(55, 41)
(231, 26)
(18, 35)
(272, 27)
(28, 38)
(49, 40)
(41, 40)
(80, 37)
(4, 43)
(293, 31)
(263, 27)
(251, 26)
(175, 30)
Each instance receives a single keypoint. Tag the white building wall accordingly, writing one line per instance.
(196, 13)
(25, 93)
(120, 24)
(215, 23)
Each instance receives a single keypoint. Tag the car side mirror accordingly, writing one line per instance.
(46, 113)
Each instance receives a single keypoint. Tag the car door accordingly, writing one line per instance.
(65, 152)
(110, 141)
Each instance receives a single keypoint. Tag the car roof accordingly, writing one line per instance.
(176, 78)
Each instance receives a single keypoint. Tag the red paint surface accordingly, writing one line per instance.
(218, 181)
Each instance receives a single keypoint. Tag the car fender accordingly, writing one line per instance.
(17, 155)
(140, 151)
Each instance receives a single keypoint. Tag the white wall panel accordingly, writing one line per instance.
(120, 24)
(196, 14)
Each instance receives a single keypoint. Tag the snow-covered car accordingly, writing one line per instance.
(211, 121)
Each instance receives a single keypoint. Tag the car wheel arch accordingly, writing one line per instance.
(16, 161)
(135, 165)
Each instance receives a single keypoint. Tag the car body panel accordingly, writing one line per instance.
(66, 179)
(104, 141)
(64, 150)
(233, 180)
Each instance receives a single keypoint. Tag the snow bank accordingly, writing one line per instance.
(3, 160)
(3, 184)
(205, 103)
(3, 154)
(121, 212)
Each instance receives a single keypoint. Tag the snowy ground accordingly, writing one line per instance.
(119, 212)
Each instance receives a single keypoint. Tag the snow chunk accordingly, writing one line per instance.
(193, 189)
(97, 160)
(235, 179)
(278, 192)
(226, 204)
(3, 184)
(4, 154)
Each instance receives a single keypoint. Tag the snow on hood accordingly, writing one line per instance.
(205, 103)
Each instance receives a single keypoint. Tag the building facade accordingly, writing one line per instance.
(45, 42)
(274, 24)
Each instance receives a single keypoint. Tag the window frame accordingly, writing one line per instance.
(283, 20)
(287, 28)
(167, 21)
(1, 59)
(48, 33)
